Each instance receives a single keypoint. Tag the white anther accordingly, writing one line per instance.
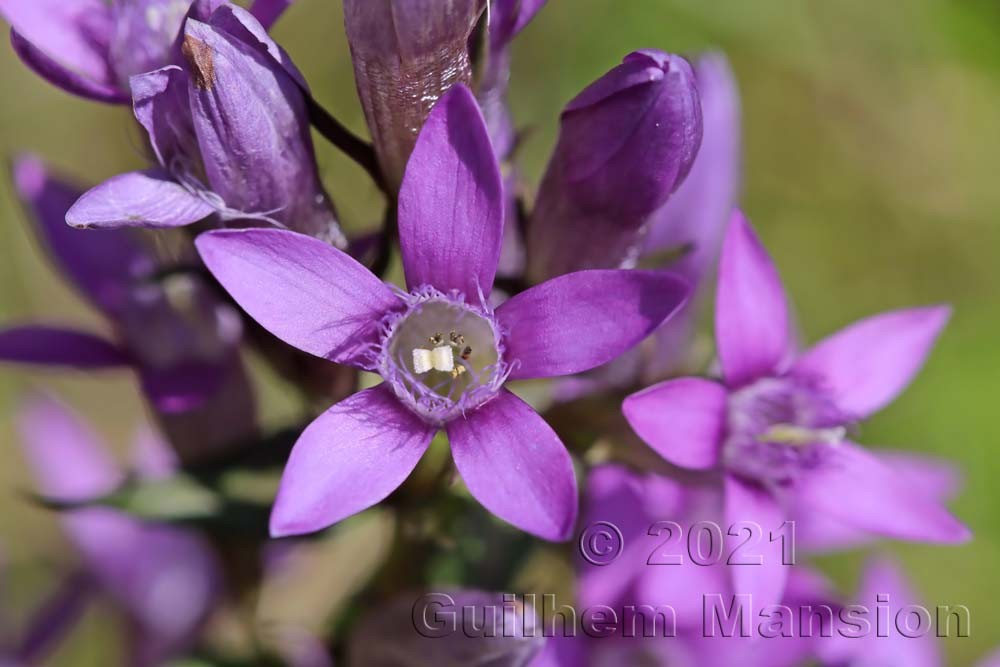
(422, 361)
(443, 358)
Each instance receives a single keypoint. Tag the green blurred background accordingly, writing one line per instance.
(872, 141)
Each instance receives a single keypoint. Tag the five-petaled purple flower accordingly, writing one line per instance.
(442, 350)
(779, 424)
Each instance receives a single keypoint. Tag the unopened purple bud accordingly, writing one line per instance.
(406, 54)
(625, 144)
(250, 117)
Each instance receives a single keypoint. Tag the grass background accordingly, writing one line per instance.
(872, 135)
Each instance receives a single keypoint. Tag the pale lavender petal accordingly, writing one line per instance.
(52, 346)
(746, 503)
(161, 105)
(934, 479)
(65, 78)
(992, 660)
(751, 313)
(581, 320)
(516, 466)
(101, 264)
(71, 34)
(304, 291)
(684, 420)
(351, 457)
(67, 458)
(882, 577)
(152, 457)
(865, 366)
(855, 487)
(451, 205)
(138, 199)
(269, 11)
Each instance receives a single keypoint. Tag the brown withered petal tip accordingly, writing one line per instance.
(199, 58)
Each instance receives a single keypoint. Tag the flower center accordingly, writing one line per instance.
(778, 427)
(441, 356)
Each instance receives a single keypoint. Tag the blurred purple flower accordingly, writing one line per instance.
(164, 578)
(406, 54)
(443, 352)
(231, 133)
(626, 143)
(174, 332)
(778, 423)
(92, 48)
(460, 628)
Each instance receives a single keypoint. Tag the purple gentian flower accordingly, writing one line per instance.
(625, 144)
(443, 352)
(231, 133)
(406, 54)
(174, 332)
(778, 424)
(165, 578)
(92, 48)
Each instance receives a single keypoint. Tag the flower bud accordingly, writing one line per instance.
(406, 54)
(249, 110)
(625, 144)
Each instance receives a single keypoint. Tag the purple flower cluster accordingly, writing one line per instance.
(228, 244)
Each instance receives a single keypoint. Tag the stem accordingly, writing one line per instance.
(353, 146)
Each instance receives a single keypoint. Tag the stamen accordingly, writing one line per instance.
(800, 436)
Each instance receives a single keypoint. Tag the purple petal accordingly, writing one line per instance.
(152, 457)
(145, 32)
(62, 77)
(853, 486)
(253, 128)
(162, 107)
(269, 11)
(148, 198)
(67, 458)
(751, 314)
(56, 618)
(451, 203)
(71, 36)
(683, 420)
(51, 346)
(305, 292)
(747, 502)
(101, 264)
(182, 387)
(509, 17)
(935, 479)
(992, 660)
(866, 365)
(516, 466)
(351, 457)
(581, 320)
